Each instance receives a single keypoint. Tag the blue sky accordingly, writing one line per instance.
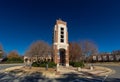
(25, 21)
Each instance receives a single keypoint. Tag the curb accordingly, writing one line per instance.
(109, 71)
(13, 68)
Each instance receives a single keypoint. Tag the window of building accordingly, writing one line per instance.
(62, 32)
(62, 36)
(62, 29)
(62, 40)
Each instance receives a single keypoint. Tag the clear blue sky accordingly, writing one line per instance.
(25, 21)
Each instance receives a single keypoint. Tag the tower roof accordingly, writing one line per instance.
(59, 21)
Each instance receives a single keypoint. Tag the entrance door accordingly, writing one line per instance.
(62, 56)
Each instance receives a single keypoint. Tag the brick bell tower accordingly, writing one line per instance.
(60, 44)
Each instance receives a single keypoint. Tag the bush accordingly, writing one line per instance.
(77, 64)
(43, 64)
(51, 64)
(35, 64)
(71, 63)
(14, 60)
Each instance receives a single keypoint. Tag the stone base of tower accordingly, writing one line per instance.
(67, 65)
(58, 65)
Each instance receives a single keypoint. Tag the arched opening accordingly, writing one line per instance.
(62, 56)
(26, 59)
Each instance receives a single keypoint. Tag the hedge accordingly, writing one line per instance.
(77, 64)
(43, 64)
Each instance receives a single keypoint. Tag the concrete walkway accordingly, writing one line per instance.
(97, 71)
(65, 74)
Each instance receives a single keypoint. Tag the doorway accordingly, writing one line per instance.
(62, 56)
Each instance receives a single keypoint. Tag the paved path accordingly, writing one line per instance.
(113, 77)
(68, 77)
(4, 66)
(117, 71)
(37, 77)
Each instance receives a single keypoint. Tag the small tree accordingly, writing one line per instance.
(13, 56)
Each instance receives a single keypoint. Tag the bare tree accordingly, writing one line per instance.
(1, 51)
(79, 51)
(88, 48)
(38, 49)
(75, 51)
(116, 52)
(1, 47)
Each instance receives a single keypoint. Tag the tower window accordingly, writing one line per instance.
(62, 36)
(62, 29)
(62, 32)
(62, 40)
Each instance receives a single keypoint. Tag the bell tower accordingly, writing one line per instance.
(60, 44)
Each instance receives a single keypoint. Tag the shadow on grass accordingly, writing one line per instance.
(38, 77)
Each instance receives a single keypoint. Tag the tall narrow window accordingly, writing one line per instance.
(62, 36)
(62, 32)
(62, 29)
(62, 40)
